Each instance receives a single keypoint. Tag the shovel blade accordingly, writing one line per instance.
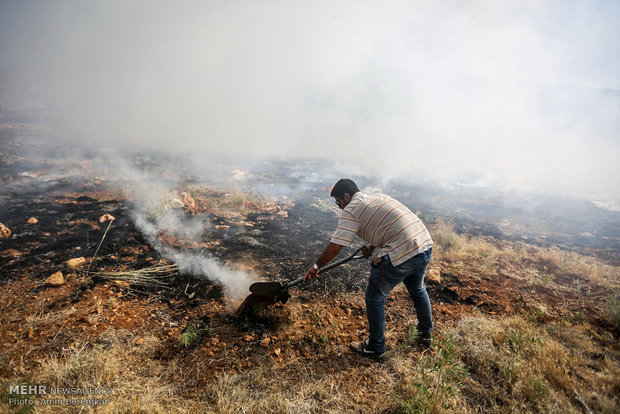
(267, 288)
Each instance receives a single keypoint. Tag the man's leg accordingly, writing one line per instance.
(375, 310)
(417, 290)
(383, 278)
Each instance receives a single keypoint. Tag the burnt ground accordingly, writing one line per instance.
(277, 247)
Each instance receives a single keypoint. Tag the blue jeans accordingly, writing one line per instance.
(383, 278)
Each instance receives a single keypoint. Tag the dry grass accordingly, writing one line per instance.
(480, 365)
(538, 264)
(407, 382)
(518, 367)
(138, 381)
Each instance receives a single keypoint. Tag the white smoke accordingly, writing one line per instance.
(234, 281)
(524, 94)
(146, 191)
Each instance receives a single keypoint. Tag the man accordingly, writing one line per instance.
(404, 250)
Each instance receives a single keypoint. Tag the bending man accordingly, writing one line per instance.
(404, 250)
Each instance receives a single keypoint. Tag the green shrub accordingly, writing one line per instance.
(192, 335)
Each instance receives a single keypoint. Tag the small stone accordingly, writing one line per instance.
(75, 263)
(215, 341)
(32, 220)
(265, 342)
(4, 231)
(433, 276)
(56, 279)
(277, 352)
(248, 338)
(106, 217)
(139, 341)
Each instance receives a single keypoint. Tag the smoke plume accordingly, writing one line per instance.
(516, 96)
(146, 191)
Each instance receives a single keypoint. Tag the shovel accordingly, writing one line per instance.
(278, 291)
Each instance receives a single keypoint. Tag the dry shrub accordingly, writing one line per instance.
(445, 237)
(593, 269)
(550, 258)
(483, 252)
(613, 310)
(460, 248)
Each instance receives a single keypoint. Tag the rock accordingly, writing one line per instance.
(4, 231)
(139, 341)
(214, 341)
(277, 352)
(265, 342)
(75, 263)
(57, 279)
(32, 220)
(106, 217)
(433, 276)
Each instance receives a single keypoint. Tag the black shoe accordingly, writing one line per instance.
(425, 341)
(363, 349)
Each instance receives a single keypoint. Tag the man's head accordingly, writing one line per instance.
(343, 192)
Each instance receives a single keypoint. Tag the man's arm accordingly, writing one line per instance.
(330, 252)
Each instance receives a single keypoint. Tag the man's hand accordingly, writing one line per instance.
(311, 273)
(367, 251)
(331, 251)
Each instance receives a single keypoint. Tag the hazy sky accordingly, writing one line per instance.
(517, 94)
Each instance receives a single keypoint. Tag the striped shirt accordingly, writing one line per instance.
(385, 223)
